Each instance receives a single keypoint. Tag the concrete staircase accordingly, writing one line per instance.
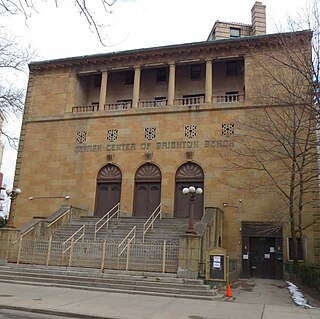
(169, 229)
(156, 284)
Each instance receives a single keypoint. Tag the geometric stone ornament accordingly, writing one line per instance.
(150, 133)
(190, 171)
(190, 131)
(81, 137)
(148, 172)
(227, 129)
(110, 172)
(112, 135)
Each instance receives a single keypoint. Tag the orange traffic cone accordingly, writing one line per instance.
(229, 293)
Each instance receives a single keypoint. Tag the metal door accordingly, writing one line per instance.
(262, 257)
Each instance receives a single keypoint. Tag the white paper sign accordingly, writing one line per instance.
(266, 256)
(216, 265)
(217, 259)
(245, 257)
(271, 249)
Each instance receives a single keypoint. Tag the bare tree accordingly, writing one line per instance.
(278, 138)
(13, 58)
(87, 9)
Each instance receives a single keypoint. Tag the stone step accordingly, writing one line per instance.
(132, 282)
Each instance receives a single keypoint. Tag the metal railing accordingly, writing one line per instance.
(229, 98)
(72, 239)
(149, 223)
(22, 235)
(159, 256)
(58, 218)
(152, 104)
(127, 240)
(197, 100)
(104, 220)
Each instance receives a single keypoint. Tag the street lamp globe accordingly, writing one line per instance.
(185, 191)
(17, 190)
(199, 191)
(8, 191)
(192, 189)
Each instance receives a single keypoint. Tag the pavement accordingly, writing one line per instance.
(252, 299)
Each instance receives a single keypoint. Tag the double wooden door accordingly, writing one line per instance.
(147, 198)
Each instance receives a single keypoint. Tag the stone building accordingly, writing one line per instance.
(138, 126)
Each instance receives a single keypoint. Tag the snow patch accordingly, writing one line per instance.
(298, 296)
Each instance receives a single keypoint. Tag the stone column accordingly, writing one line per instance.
(103, 90)
(136, 86)
(72, 92)
(171, 83)
(208, 81)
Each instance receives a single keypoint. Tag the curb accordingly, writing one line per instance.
(55, 312)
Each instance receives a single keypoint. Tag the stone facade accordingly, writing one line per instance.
(166, 106)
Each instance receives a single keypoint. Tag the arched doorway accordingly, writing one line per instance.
(108, 189)
(189, 174)
(147, 191)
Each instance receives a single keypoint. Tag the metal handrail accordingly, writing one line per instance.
(83, 227)
(97, 228)
(23, 234)
(65, 213)
(151, 220)
(129, 240)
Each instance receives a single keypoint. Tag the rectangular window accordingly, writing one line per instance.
(162, 74)
(235, 32)
(195, 71)
(129, 76)
(232, 68)
(290, 248)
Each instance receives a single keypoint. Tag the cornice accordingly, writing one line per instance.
(203, 49)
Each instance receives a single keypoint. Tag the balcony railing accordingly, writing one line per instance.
(152, 104)
(229, 98)
(118, 106)
(189, 101)
(85, 109)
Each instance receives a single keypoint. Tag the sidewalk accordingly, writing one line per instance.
(254, 299)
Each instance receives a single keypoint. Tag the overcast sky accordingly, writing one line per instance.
(58, 33)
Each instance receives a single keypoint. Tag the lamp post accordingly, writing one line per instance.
(191, 192)
(12, 193)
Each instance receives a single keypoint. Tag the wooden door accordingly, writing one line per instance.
(108, 192)
(147, 195)
(182, 201)
(108, 195)
(189, 174)
(147, 198)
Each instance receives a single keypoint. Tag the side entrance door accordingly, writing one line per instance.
(262, 260)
